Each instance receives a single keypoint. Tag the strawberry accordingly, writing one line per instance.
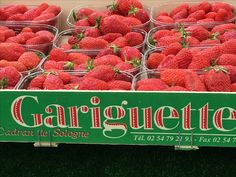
(134, 38)
(58, 55)
(231, 71)
(211, 15)
(120, 42)
(111, 50)
(37, 82)
(168, 62)
(161, 33)
(53, 82)
(92, 18)
(119, 85)
(114, 24)
(193, 82)
(199, 32)
(2, 36)
(227, 59)
(40, 9)
(172, 49)
(222, 5)
(71, 86)
(3, 15)
(65, 77)
(9, 33)
(46, 33)
(198, 15)
(110, 37)
(82, 22)
(52, 9)
(102, 72)
(184, 58)
(140, 14)
(44, 17)
(38, 40)
(131, 21)
(51, 64)
(179, 8)
(111, 60)
(229, 47)
(155, 83)
(129, 53)
(90, 83)
(176, 88)
(148, 88)
(228, 35)
(122, 66)
(29, 59)
(123, 6)
(189, 19)
(18, 65)
(233, 87)
(16, 17)
(78, 58)
(192, 41)
(11, 51)
(206, 20)
(26, 29)
(14, 39)
(206, 6)
(217, 79)
(84, 13)
(92, 32)
(16, 9)
(210, 42)
(92, 43)
(9, 76)
(221, 15)
(181, 14)
(167, 40)
(29, 15)
(223, 27)
(173, 77)
(165, 19)
(26, 35)
(154, 59)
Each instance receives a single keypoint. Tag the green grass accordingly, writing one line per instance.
(23, 160)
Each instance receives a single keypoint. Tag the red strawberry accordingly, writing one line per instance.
(15, 9)
(92, 43)
(172, 49)
(222, 5)
(78, 58)
(168, 62)
(161, 33)
(229, 47)
(210, 42)
(16, 64)
(165, 19)
(90, 83)
(134, 38)
(84, 13)
(29, 59)
(102, 72)
(131, 21)
(189, 19)
(140, 14)
(29, 15)
(223, 27)
(16, 17)
(198, 15)
(199, 32)
(173, 77)
(44, 17)
(167, 40)
(123, 6)
(53, 82)
(92, 18)
(217, 80)
(179, 8)
(227, 59)
(157, 84)
(11, 51)
(193, 82)
(119, 84)
(221, 15)
(9, 76)
(82, 22)
(148, 88)
(38, 40)
(192, 41)
(2, 36)
(112, 50)
(154, 59)
(206, 6)
(40, 9)
(120, 42)
(181, 14)
(46, 33)
(130, 53)
(122, 66)
(9, 33)
(3, 15)
(52, 9)
(110, 37)
(26, 35)
(26, 29)
(176, 88)
(65, 77)
(92, 32)
(228, 35)
(184, 58)
(231, 71)
(51, 64)
(211, 15)
(37, 81)
(233, 87)
(111, 60)
(58, 55)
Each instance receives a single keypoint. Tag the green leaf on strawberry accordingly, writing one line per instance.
(74, 16)
(3, 83)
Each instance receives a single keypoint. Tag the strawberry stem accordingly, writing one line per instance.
(68, 66)
(90, 64)
(152, 41)
(214, 36)
(135, 62)
(74, 16)
(3, 83)
(113, 6)
(116, 50)
(75, 46)
(132, 10)
(98, 22)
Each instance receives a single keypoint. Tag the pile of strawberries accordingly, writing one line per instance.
(9, 77)
(126, 59)
(195, 35)
(213, 79)
(125, 14)
(95, 39)
(102, 77)
(43, 12)
(14, 55)
(203, 12)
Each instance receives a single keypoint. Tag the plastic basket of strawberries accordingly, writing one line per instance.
(190, 13)
(195, 35)
(25, 61)
(37, 14)
(94, 39)
(102, 77)
(213, 79)
(9, 77)
(125, 14)
(127, 60)
(38, 37)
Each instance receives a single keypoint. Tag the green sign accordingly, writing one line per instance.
(139, 118)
